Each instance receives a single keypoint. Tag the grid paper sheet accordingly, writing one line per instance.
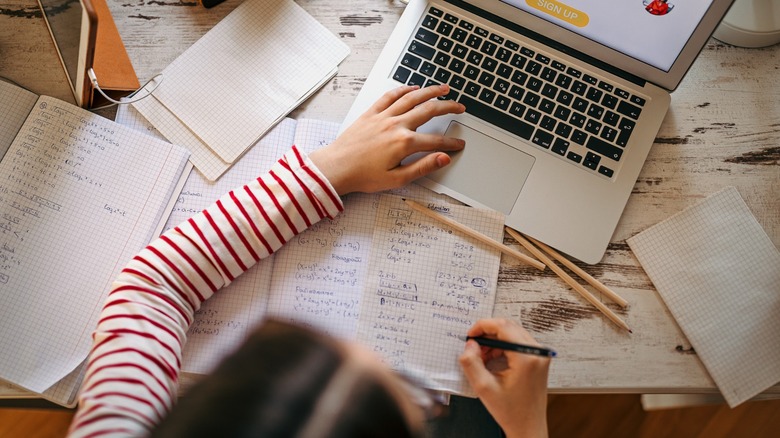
(427, 284)
(80, 196)
(248, 72)
(719, 274)
(15, 105)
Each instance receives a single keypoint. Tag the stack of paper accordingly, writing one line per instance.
(234, 84)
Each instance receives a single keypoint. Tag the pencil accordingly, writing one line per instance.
(584, 275)
(475, 234)
(570, 281)
(511, 346)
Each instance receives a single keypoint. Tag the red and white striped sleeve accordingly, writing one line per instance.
(133, 368)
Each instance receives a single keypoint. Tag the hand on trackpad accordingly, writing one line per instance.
(487, 170)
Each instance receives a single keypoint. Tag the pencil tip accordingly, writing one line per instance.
(630, 331)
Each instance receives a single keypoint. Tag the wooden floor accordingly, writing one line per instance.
(568, 416)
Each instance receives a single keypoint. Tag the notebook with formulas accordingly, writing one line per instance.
(80, 195)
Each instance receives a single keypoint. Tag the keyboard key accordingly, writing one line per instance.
(487, 95)
(472, 89)
(516, 92)
(435, 11)
(442, 75)
(580, 104)
(534, 84)
(517, 109)
(441, 59)
(602, 147)
(574, 156)
(542, 138)
(411, 61)
(622, 93)
(466, 25)
(457, 82)
(591, 160)
(563, 130)
(489, 64)
(451, 18)
(421, 50)
(518, 61)
(609, 134)
(595, 111)
(430, 22)
(592, 126)
(519, 77)
(459, 35)
(457, 65)
(531, 99)
(502, 102)
(594, 94)
(501, 86)
(512, 45)
(577, 120)
(549, 90)
(579, 137)
(417, 79)
(481, 32)
(611, 118)
(504, 54)
(542, 58)
(547, 106)
(401, 74)
(474, 41)
(533, 67)
(622, 139)
(610, 101)
(590, 79)
(460, 51)
(498, 39)
(452, 95)
(606, 86)
(471, 72)
(559, 146)
(489, 48)
(573, 72)
(474, 57)
(527, 52)
(606, 171)
(426, 36)
(558, 66)
(579, 88)
(629, 110)
(445, 44)
(563, 81)
(486, 79)
(564, 98)
(548, 74)
(444, 28)
(637, 100)
(496, 117)
(562, 113)
(532, 116)
(547, 123)
(427, 68)
(504, 71)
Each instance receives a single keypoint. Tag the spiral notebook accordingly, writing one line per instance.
(719, 274)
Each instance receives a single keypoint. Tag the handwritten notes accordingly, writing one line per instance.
(79, 196)
(426, 286)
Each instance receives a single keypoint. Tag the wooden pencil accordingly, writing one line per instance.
(568, 279)
(476, 235)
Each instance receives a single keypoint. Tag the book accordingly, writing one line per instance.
(79, 196)
(347, 275)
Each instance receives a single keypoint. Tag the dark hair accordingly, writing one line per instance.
(280, 382)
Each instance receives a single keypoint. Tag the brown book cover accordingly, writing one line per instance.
(113, 69)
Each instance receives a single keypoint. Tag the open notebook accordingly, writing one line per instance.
(339, 275)
(80, 195)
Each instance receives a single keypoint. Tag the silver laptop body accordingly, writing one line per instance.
(566, 187)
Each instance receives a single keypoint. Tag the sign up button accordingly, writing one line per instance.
(560, 11)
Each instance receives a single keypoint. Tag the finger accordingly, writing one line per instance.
(390, 97)
(410, 100)
(430, 109)
(479, 377)
(430, 143)
(504, 329)
(421, 167)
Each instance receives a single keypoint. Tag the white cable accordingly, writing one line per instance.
(93, 79)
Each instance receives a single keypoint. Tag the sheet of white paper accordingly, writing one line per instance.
(427, 284)
(719, 274)
(248, 72)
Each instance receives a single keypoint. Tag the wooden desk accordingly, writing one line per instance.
(723, 129)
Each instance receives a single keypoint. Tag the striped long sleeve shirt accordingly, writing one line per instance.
(134, 364)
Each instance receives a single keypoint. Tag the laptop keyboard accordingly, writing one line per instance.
(554, 106)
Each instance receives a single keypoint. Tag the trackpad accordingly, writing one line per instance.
(487, 170)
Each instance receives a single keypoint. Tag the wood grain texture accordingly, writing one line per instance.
(723, 129)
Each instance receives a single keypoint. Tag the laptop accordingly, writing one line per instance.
(563, 101)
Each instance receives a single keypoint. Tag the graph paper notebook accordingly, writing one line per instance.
(719, 274)
(244, 76)
(80, 195)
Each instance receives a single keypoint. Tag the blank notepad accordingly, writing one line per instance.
(719, 274)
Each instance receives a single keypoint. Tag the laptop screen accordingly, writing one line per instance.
(651, 31)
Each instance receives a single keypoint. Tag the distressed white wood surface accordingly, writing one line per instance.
(723, 129)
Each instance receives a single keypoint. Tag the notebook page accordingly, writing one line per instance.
(15, 105)
(719, 274)
(247, 72)
(428, 284)
(81, 196)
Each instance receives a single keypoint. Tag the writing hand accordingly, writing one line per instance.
(515, 394)
(367, 156)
